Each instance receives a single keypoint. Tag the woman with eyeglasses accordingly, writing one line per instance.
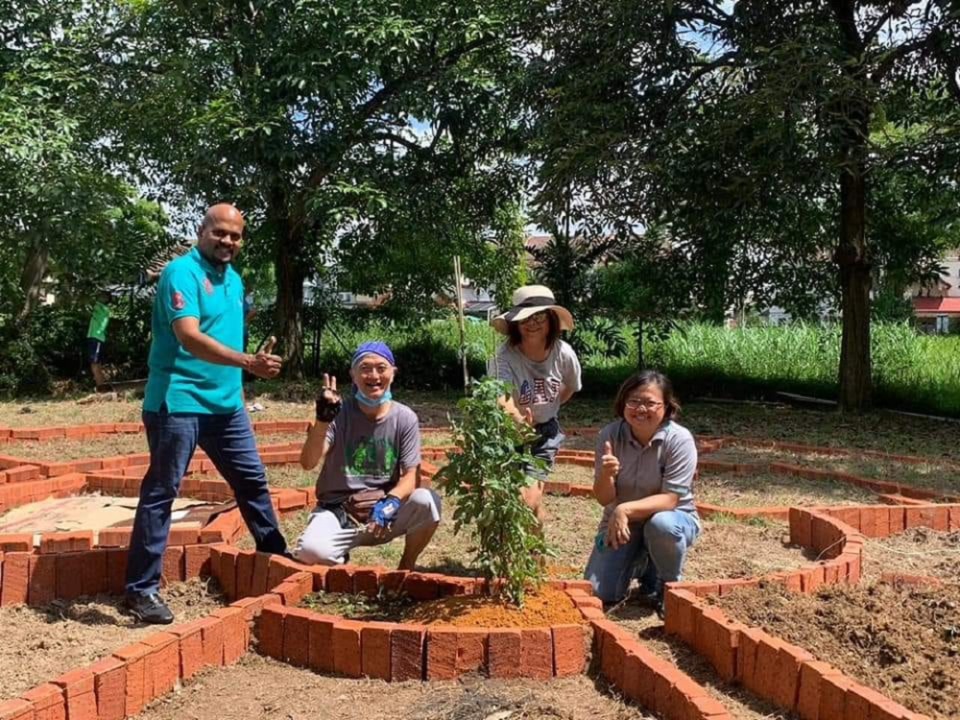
(542, 370)
(643, 477)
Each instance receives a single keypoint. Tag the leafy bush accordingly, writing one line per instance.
(484, 480)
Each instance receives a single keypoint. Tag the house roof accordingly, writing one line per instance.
(936, 305)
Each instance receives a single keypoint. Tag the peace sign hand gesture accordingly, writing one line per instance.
(328, 401)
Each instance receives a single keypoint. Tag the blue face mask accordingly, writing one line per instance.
(370, 402)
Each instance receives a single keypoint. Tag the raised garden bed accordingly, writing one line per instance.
(901, 640)
(44, 642)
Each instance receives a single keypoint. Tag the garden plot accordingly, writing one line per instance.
(918, 551)
(903, 641)
(934, 475)
(571, 526)
(262, 688)
(775, 489)
(41, 643)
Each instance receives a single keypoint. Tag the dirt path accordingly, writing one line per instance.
(260, 689)
(41, 643)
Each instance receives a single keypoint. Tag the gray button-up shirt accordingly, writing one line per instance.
(667, 464)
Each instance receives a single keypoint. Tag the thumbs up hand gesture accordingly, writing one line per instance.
(610, 465)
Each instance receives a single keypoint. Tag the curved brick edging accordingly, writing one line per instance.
(393, 651)
(773, 669)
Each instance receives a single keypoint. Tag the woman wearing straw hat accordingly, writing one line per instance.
(542, 369)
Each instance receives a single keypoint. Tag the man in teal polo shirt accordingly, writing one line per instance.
(193, 397)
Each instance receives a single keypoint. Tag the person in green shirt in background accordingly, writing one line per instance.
(97, 336)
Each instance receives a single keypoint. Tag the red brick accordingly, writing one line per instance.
(898, 520)
(375, 649)
(441, 653)
(114, 537)
(536, 653)
(70, 569)
(568, 650)
(78, 691)
(211, 629)
(94, 580)
(471, 650)
(110, 684)
(261, 569)
(296, 637)
(270, 632)
(747, 657)
(346, 648)
(116, 570)
(172, 565)
(280, 568)
(321, 642)
(407, 656)
(48, 702)
(340, 579)
(227, 573)
(504, 653)
(16, 578)
(833, 695)
(43, 579)
(234, 633)
(52, 542)
(16, 710)
(366, 581)
(706, 708)
(16, 542)
(766, 673)
(196, 561)
(800, 527)
(421, 586)
(244, 574)
(954, 517)
(162, 664)
(134, 659)
(859, 702)
(786, 691)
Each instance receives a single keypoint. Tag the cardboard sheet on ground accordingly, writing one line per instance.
(96, 512)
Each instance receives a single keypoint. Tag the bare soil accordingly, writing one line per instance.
(918, 551)
(903, 641)
(756, 490)
(41, 643)
(546, 606)
(738, 550)
(259, 688)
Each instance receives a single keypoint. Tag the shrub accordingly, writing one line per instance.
(484, 480)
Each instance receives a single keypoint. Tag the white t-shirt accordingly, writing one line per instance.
(537, 384)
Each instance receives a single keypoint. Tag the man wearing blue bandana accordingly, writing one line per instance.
(369, 450)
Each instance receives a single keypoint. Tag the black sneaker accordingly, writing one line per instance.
(149, 608)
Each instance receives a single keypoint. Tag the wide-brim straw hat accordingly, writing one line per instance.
(529, 300)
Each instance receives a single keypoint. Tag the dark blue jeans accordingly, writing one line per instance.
(173, 437)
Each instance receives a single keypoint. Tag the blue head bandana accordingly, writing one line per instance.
(375, 347)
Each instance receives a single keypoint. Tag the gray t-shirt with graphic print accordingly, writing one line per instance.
(537, 384)
(365, 454)
(667, 464)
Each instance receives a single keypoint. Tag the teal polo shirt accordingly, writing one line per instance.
(190, 286)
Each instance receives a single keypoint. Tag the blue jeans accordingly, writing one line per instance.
(656, 551)
(229, 442)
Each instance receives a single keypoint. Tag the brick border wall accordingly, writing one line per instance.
(784, 674)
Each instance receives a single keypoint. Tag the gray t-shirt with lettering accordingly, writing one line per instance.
(365, 454)
(667, 464)
(537, 384)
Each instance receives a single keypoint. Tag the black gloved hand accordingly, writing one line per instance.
(328, 401)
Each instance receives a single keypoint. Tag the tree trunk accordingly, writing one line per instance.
(31, 279)
(290, 278)
(856, 383)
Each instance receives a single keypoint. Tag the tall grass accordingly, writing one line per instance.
(911, 372)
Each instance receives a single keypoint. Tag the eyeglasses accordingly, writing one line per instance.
(537, 317)
(643, 404)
